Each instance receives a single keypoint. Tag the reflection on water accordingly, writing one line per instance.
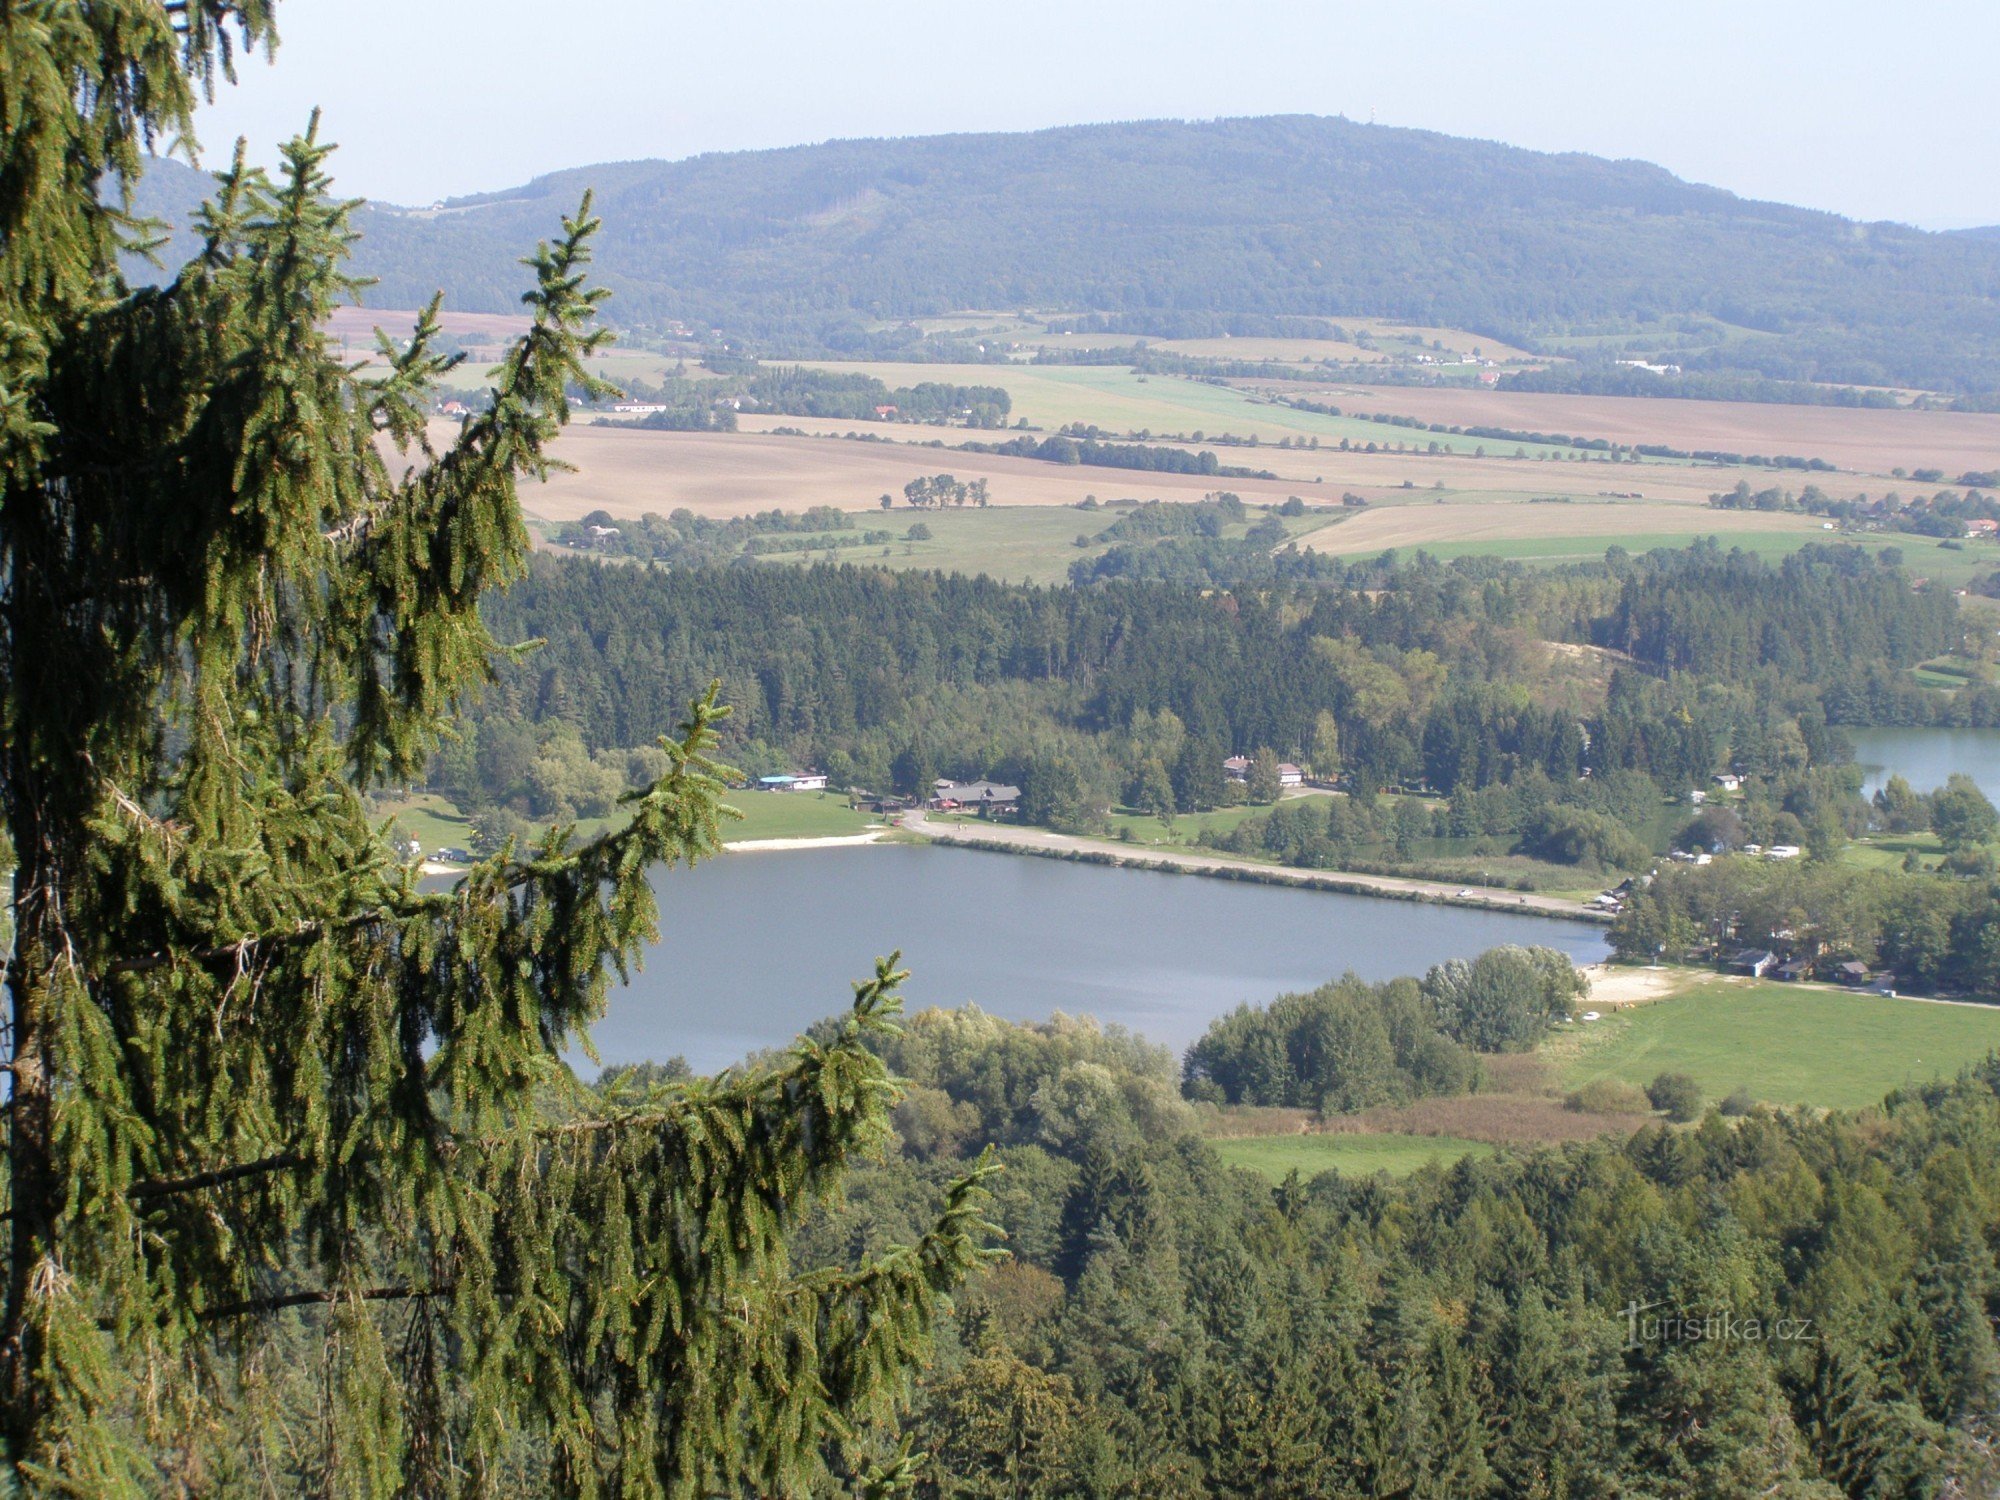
(755, 947)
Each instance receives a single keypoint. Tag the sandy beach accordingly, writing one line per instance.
(1618, 985)
(832, 841)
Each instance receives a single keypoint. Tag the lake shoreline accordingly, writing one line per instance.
(1009, 839)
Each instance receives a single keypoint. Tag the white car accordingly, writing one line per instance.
(1590, 1015)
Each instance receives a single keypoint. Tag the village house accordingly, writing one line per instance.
(1237, 768)
(804, 781)
(1753, 961)
(1729, 781)
(987, 798)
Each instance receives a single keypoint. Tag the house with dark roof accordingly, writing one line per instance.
(1753, 961)
(987, 798)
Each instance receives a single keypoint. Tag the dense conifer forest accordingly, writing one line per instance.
(1782, 1305)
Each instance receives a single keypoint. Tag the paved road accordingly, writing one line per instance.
(1040, 840)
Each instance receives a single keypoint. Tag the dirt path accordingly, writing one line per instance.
(1041, 841)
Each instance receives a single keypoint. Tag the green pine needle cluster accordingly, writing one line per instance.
(266, 1095)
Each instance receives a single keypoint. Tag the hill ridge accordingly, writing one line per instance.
(796, 248)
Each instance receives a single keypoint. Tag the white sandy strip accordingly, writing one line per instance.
(831, 841)
(439, 867)
(1617, 985)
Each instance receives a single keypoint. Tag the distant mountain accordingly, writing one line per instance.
(1980, 232)
(1283, 215)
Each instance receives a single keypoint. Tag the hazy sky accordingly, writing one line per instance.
(1878, 110)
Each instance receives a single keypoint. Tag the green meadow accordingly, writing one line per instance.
(1786, 1044)
(1351, 1155)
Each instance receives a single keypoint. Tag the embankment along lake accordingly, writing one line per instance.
(755, 947)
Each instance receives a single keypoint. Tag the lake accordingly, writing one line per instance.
(755, 947)
(1925, 757)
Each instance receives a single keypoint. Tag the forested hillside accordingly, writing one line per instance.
(1412, 675)
(1286, 215)
(1792, 1305)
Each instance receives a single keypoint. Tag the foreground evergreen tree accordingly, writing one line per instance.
(262, 1087)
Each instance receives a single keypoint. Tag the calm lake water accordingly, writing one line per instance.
(755, 947)
(1925, 757)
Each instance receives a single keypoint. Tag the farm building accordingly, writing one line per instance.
(1793, 970)
(804, 781)
(1237, 768)
(1982, 528)
(1729, 781)
(985, 797)
(1753, 961)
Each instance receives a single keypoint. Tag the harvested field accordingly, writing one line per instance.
(1865, 441)
(1377, 530)
(358, 324)
(1501, 1119)
(628, 472)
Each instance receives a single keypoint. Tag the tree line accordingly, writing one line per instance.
(1169, 1326)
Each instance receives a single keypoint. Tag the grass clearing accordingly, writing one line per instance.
(794, 815)
(1887, 851)
(1349, 1154)
(1786, 1044)
(426, 817)
(1018, 543)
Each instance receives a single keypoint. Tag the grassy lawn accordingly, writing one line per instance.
(436, 824)
(1786, 1044)
(1352, 1155)
(1886, 851)
(1949, 672)
(794, 815)
(429, 819)
(1187, 828)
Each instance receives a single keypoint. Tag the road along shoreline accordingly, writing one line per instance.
(1001, 838)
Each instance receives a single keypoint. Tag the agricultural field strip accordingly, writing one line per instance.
(1867, 441)
(629, 472)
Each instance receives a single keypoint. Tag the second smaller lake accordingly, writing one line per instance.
(1926, 757)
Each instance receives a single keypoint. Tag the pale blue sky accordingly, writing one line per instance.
(1880, 110)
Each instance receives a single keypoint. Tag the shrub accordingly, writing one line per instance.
(1607, 1096)
(1677, 1096)
(1740, 1102)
